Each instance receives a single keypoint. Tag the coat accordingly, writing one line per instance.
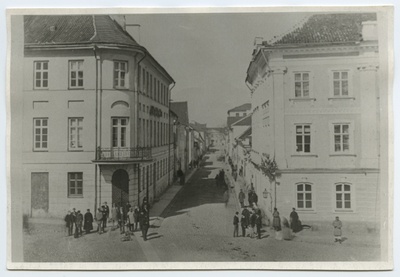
(79, 220)
(68, 220)
(246, 215)
(236, 220)
(276, 222)
(337, 228)
(242, 196)
(88, 225)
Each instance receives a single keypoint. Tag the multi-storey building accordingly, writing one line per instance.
(315, 129)
(95, 116)
(234, 115)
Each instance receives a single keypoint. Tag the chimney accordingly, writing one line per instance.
(369, 30)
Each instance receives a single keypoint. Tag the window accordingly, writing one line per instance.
(303, 138)
(120, 69)
(302, 84)
(119, 132)
(341, 138)
(244, 114)
(147, 84)
(340, 83)
(75, 129)
(343, 196)
(75, 184)
(41, 75)
(76, 74)
(237, 114)
(304, 196)
(40, 133)
(143, 81)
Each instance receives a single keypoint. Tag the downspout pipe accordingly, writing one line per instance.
(169, 134)
(96, 56)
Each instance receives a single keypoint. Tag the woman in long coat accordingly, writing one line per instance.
(276, 222)
(88, 222)
(295, 223)
(337, 230)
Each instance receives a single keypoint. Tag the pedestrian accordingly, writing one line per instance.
(136, 213)
(130, 218)
(88, 222)
(99, 221)
(107, 214)
(68, 224)
(242, 196)
(121, 220)
(276, 222)
(144, 223)
(286, 231)
(225, 197)
(243, 224)
(295, 223)
(114, 211)
(255, 198)
(78, 224)
(253, 218)
(258, 223)
(145, 204)
(73, 219)
(246, 214)
(337, 229)
(236, 225)
(250, 197)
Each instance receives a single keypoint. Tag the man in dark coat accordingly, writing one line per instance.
(253, 219)
(88, 225)
(295, 223)
(245, 219)
(255, 197)
(236, 225)
(68, 223)
(103, 210)
(107, 212)
(78, 224)
(144, 222)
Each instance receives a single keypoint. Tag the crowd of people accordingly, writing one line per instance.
(125, 218)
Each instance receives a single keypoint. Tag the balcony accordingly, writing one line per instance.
(123, 154)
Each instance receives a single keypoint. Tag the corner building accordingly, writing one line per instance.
(95, 116)
(315, 99)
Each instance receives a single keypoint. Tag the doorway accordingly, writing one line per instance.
(120, 187)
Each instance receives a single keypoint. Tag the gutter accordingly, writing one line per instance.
(97, 58)
(169, 134)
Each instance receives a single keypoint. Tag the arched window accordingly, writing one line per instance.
(343, 196)
(304, 196)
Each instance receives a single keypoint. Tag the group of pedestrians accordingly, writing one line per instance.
(251, 220)
(127, 218)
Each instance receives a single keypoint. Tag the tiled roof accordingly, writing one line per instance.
(241, 108)
(181, 110)
(74, 29)
(233, 119)
(328, 28)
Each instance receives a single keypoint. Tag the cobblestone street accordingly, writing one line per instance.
(195, 226)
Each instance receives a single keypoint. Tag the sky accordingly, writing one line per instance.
(208, 55)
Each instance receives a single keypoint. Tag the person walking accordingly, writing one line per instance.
(250, 197)
(243, 224)
(276, 221)
(114, 212)
(236, 225)
(295, 223)
(131, 219)
(253, 218)
(78, 224)
(88, 222)
(144, 223)
(136, 213)
(99, 221)
(68, 224)
(258, 223)
(246, 214)
(107, 214)
(337, 229)
(242, 196)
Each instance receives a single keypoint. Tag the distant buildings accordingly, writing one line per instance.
(315, 120)
(95, 111)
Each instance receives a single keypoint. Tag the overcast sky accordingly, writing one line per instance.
(208, 55)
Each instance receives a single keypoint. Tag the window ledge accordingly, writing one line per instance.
(39, 89)
(305, 211)
(342, 154)
(75, 150)
(344, 211)
(302, 99)
(40, 150)
(305, 155)
(121, 88)
(76, 88)
(342, 98)
(75, 196)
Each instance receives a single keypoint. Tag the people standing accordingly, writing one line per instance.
(144, 222)
(243, 224)
(276, 222)
(73, 219)
(88, 219)
(246, 214)
(253, 218)
(236, 225)
(250, 197)
(136, 213)
(255, 198)
(121, 220)
(68, 224)
(295, 223)
(258, 223)
(78, 224)
(99, 221)
(131, 219)
(242, 196)
(107, 213)
(114, 211)
(337, 229)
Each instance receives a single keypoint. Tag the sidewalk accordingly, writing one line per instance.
(158, 208)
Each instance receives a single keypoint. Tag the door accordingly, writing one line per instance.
(39, 193)
(120, 187)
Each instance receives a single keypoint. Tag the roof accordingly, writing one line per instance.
(74, 29)
(233, 119)
(245, 121)
(241, 108)
(181, 110)
(245, 134)
(327, 28)
(199, 126)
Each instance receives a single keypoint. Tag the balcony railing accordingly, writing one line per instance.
(123, 153)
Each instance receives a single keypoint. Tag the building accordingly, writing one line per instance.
(235, 114)
(182, 158)
(315, 128)
(95, 116)
(216, 136)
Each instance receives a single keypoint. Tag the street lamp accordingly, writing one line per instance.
(266, 193)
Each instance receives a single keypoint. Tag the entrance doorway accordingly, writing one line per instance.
(39, 194)
(120, 187)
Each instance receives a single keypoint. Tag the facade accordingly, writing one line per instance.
(216, 136)
(315, 127)
(96, 116)
(234, 115)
